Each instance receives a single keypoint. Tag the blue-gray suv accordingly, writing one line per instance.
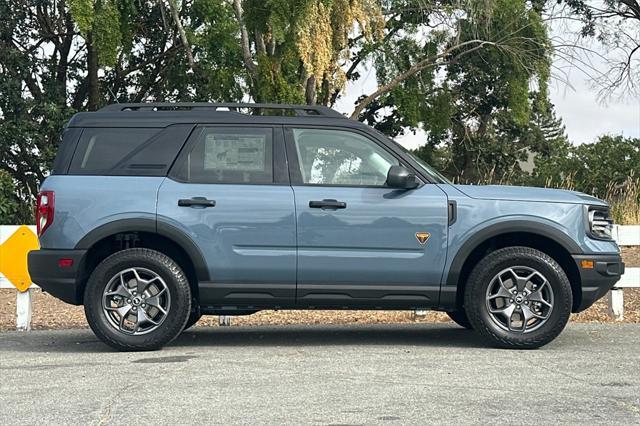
(157, 214)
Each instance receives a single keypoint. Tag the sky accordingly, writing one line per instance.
(576, 102)
(585, 118)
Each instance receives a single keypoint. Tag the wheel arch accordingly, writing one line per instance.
(535, 235)
(145, 233)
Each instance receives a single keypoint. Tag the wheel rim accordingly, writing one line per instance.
(136, 301)
(519, 299)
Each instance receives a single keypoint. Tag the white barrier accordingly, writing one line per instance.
(625, 235)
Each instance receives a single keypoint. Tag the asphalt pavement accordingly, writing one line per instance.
(373, 374)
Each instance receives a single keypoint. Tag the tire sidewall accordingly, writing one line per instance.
(489, 267)
(160, 264)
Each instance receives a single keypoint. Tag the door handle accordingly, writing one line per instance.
(328, 204)
(196, 202)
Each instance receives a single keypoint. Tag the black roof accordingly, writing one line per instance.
(164, 114)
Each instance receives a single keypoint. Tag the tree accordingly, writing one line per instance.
(60, 57)
(9, 204)
(472, 74)
(594, 168)
(292, 48)
(616, 25)
(474, 95)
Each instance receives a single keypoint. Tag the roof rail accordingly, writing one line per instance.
(257, 109)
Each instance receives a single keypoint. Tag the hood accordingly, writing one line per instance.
(528, 193)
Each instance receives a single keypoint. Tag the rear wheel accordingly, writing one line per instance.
(460, 318)
(518, 297)
(137, 299)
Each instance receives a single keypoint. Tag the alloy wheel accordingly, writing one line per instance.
(519, 299)
(136, 301)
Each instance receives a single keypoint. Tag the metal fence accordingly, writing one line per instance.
(17, 240)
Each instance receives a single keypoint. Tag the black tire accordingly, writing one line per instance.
(194, 317)
(178, 290)
(460, 318)
(476, 295)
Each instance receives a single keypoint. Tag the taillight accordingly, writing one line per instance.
(45, 209)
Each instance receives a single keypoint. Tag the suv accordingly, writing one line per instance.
(156, 214)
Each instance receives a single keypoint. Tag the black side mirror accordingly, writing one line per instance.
(401, 177)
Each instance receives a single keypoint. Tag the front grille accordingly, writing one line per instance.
(600, 223)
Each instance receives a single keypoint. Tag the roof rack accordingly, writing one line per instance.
(251, 108)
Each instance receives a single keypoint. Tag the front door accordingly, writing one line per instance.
(229, 191)
(360, 242)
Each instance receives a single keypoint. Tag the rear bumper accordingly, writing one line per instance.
(65, 283)
(597, 281)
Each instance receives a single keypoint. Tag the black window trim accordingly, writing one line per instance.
(110, 171)
(69, 152)
(118, 168)
(294, 168)
(278, 157)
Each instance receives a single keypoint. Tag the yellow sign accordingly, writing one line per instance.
(13, 257)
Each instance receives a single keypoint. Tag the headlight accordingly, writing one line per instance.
(599, 222)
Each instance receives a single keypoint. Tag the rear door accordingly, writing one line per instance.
(360, 242)
(229, 191)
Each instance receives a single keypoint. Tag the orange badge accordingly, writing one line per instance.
(422, 237)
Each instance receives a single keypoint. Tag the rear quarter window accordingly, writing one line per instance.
(66, 146)
(100, 149)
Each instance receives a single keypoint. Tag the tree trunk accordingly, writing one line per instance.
(261, 49)
(183, 35)
(310, 90)
(326, 95)
(92, 74)
(418, 67)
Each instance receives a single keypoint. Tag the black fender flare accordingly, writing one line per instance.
(508, 227)
(154, 227)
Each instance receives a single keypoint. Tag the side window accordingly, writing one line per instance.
(99, 149)
(339, 157)
(228, 155)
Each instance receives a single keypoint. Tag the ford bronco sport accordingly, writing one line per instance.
(156, 214)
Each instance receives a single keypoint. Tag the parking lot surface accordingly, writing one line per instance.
(374, 374)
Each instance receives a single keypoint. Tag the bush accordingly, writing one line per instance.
(605, 169)
(9, 204)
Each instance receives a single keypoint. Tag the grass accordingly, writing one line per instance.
(624, 198)
(625, 202)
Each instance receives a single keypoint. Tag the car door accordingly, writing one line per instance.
(361, 243)
(229, 192)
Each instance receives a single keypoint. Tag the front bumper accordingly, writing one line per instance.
(65, 283)
(598, 280)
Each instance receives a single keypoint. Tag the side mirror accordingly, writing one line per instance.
(401, 177)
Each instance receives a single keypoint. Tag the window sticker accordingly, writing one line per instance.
(234, 152)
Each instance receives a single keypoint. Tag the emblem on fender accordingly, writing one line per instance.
(422, 237)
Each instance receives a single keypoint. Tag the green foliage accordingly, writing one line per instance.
(107, 32)
(9, 205)
(591, 167)
(298, 45)
(100, 20)
(477, 109)
(274, 83)
(141, 58)
(485, 113)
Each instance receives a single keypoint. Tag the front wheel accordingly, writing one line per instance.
(518, 297)
(137, 299)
